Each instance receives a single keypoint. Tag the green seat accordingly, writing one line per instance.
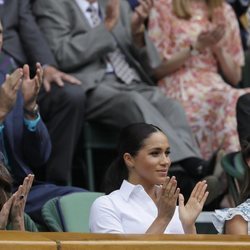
(234, 167)
(69, 213)
(97, 136)
(51, 215)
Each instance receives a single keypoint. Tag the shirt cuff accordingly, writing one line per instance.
(32, 124)
(1, 128)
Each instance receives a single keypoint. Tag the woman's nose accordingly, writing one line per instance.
(165, 160)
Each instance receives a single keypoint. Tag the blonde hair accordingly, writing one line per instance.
(182, 7)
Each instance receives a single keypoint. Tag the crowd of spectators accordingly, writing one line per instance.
(116, 62)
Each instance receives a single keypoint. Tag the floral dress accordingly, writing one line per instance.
(222, 215)
(208, 100)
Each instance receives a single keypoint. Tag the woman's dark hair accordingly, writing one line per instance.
(245, 187)
(131, 141)
(5, 184)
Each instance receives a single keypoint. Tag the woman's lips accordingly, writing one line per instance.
(162, 172)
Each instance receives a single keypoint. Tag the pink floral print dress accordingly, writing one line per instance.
(208, 100)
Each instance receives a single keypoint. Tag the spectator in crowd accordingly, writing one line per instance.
(140, 197)
(12, 216)
(102, 46)
(24, 139)
(240, 7)
(61, 100)
(198, 40)
(237, 220)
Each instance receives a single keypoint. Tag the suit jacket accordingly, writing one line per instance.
(22, 37)
(133, 3)
(25, 150)
(80, 49)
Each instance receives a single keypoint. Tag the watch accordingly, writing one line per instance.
(193, 51)
(33, 112)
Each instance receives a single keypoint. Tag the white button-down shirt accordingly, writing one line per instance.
(128, 210)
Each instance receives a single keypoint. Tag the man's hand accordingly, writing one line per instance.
(18, 203)
(112, 14)
(8, 92)
(31, 87)
(4, 213)
(140, 15)
(53, 75)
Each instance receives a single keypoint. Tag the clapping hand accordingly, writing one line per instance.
(13, 209)
(19, 201)
(189, 212)
(210, 38)
(8, 92)
(167, 199)
(112, 14)
(4, 213)
(31, 86)
(140, 15)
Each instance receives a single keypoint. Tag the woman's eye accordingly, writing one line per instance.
(155, 153)
(167, 153)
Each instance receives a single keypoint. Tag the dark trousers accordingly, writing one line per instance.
(62, 110)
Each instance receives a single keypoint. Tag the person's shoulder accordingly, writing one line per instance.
(106, 200)
(236, 225)
(228, 9)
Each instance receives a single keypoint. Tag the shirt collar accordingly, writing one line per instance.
(85, 5)
(128, 188)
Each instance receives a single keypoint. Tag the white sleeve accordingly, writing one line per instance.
(104, 218)
(220, 216)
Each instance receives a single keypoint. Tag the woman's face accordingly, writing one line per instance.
(150, 165)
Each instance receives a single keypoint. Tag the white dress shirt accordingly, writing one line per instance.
(129, 210)
(84, 5)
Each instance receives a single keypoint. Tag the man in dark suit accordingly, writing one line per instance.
(24, 139)
(61, 100)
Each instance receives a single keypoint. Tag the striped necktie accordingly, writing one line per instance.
(121, 68)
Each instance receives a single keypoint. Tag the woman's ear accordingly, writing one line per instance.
(129, 160)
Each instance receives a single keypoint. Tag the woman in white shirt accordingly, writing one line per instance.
(141, 197)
